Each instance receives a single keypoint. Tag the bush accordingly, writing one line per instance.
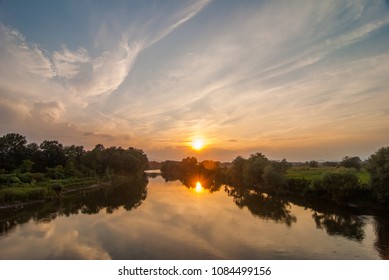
(298, 185)
(12, 179)
(38, 177)
(56, 172)
(337, 186)
(25, 177)
(274, 180)
(12, 195)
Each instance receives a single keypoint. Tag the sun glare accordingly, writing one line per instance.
(197, 144)
(199, 187)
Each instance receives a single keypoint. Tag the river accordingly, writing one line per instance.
(154, 219)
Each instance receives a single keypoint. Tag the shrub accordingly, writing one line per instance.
(337, 186)
(25, 177)
(297, 185)
(38, 177)
(273, 179)
(12, 195)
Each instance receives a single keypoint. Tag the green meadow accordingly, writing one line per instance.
(310, 173)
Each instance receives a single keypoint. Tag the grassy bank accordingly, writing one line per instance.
(19, 192)
(311, 173)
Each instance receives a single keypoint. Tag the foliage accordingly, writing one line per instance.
(298, 185)
(274, 180)
(30, 170)
(378, 167)
(12, 195)
(59, 161)
(259, 172)
(337, 186)
(351, 162)
(12, 151)
(314, 173)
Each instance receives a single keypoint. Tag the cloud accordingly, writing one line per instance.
(47, 111)
(19, 55)
(67, 63)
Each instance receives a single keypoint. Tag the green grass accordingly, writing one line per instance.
(17, 192)
(15, 195)
(310, 173)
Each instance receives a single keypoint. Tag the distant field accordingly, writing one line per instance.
(310, 173)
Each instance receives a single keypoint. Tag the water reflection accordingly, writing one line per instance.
(344, 225)
(382, 233)
(262, 205)
(193, 213)
(126, 192)
(200, 181)
(334, 219)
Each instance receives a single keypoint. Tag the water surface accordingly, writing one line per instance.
(166, 220)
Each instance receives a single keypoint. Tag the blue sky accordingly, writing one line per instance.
(291, 79)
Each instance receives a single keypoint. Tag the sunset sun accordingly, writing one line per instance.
(199, 188)
(197, 144)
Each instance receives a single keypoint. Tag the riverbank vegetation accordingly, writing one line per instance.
(347, 182)
(30, 172)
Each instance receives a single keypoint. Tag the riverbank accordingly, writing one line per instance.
(25, 195)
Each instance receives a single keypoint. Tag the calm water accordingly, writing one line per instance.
(162, 220)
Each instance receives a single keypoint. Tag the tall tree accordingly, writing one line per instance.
(12, 151)
(53, 153)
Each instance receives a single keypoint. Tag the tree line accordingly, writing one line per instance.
(26, 163)
(58, 160)
(46, 171)
(258, 173)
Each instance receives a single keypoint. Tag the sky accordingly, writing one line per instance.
(301, 80)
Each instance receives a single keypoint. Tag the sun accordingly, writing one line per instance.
(199, 188)
(197, 144)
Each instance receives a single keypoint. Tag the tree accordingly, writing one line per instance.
(189, 166)
(53, 153)
(280, 166)
(378, 167)
(12, 151)
(351, 162)
(254, 169)
(236, 171)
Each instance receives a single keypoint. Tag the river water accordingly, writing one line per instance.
(154, 219)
